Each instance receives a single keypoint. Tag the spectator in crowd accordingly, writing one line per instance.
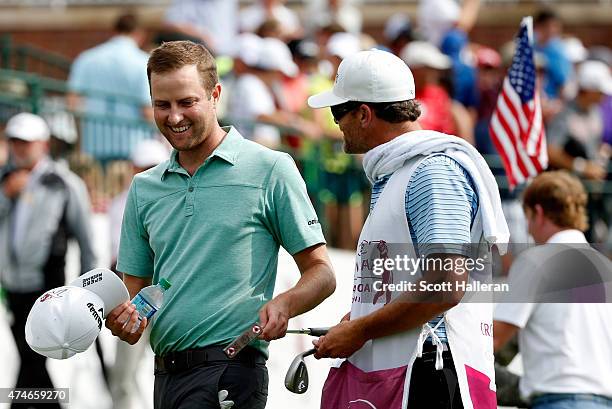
(112, 78)
(252, 17)
(604, 54)
(343, 12)
(271, 28)
(257, 95)
(576, 53)
(124, 373)
(341, 178)
(575, 135)
(212, 22)
(296, 89)
(398, 33)
(438, 111)
(576, 142)
(566, 347)
(490, 79)
(547, 29)
(447, 25)
(42, 205)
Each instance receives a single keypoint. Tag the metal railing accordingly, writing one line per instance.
(27, 58)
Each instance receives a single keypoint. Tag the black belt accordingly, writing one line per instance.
(183, 360)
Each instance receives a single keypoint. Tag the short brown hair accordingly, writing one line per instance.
(126, 23)
(174, 55)
(562, 198)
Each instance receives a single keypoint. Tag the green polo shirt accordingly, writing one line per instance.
(215, 236)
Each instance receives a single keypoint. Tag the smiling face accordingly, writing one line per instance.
(184, 110)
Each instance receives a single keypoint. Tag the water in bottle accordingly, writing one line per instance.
(149, 300)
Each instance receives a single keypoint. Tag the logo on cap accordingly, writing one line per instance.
(95, 314)
(52, 294)
(91, 280)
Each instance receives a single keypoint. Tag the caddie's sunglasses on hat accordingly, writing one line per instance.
(340, 110)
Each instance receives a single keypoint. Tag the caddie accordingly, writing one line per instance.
(433, 194)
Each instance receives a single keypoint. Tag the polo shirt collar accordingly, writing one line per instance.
(227, 150)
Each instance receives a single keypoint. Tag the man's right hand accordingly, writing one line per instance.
(15, 183)
(122, 319)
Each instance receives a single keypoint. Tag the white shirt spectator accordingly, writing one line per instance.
(216, 19)
(347, 15)
(251, 98)
(566, 348)
(251, 18)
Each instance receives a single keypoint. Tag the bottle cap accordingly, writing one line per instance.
(164, 283)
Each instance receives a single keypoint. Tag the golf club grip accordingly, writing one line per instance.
(309, 352)
(318, 332)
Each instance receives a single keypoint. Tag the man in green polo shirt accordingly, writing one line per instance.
(211, 220)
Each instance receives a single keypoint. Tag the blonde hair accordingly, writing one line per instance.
(561, 196)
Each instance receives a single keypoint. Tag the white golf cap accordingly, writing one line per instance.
(575, 50)
(594, 76)
(436, 17)
(106, 285)
(64, 321)
(27, 127)
(343, 45)
(368, 76)
(247, 46)
(424, 54)
(148, 153)
(274, 55)
(396, 25)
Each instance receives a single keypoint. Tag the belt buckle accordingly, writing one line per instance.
(171, 362)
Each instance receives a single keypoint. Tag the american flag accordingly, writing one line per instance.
(516, 127)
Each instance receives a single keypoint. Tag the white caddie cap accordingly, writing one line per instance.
(274, 55)
(368, 76)
(106, 285)
(424, 54)
(27, 127)
(594, 76)
(343, 45)
(64, 321)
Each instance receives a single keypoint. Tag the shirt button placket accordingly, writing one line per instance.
(189, 202)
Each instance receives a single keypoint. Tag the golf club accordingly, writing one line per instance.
(315, 332)
(296, 379)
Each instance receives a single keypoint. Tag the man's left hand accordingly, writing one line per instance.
(274, 318)
(341, 341)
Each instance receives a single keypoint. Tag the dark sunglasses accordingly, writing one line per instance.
(340, 111)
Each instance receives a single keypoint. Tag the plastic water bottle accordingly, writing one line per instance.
(149, 300)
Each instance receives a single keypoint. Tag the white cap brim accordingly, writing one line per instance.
(106, 285)
(325, 99)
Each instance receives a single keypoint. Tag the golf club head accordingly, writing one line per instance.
(296, 379)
